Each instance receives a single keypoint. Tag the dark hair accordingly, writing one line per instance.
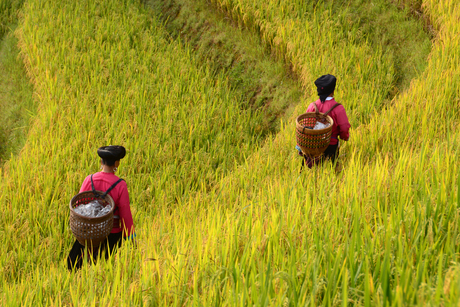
(108, 162)
(110, 154)
(325, 86)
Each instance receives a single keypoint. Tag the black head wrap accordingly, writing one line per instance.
(326, 86)
(112, 153)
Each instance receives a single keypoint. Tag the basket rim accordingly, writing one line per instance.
(314, 114)
(110, 201)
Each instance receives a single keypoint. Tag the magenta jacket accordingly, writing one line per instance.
(341, 124)
(102, 182)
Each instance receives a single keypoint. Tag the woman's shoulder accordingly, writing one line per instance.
(311, 106)
(86, 185)
(340, 107)
(121, 182)
(335, 104)
(87, 178)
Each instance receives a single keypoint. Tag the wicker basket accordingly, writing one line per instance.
(313, 142)
(91, 231)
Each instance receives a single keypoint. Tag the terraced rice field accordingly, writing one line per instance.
(222, 215)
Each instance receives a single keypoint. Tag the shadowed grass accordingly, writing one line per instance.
(17, 106)
(263, 82)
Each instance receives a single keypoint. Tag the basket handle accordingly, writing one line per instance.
(316, 109)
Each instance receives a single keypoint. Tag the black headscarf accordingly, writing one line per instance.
(326, 86)
(112, 153)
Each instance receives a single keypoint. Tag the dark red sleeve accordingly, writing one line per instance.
(124, 211)
(342, 123)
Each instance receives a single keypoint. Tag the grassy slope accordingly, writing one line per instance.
(331, 36)
(384, 230)
(16, 103)
(400, 35)
(8, 14)
(220, 44)
(400, 203)
(286, 239)
(101, 81)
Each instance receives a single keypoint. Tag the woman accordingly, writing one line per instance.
(123, 220)
(326, 86)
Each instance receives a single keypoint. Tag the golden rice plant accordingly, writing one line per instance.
(223, 219)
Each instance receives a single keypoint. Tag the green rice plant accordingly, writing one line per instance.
(17, 107)
(8, 15)
(348, 39)
(88, 70)
(222, 218)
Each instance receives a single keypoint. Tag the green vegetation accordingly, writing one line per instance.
(380, 23)
(222, 44)
(16, 103)
(252, 72)
(8, 15)
(328, 36)
(222, 215)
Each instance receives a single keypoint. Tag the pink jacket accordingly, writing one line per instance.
(102, 182)
(341, 124)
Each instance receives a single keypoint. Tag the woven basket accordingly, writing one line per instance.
(91, 231)
(313, 142)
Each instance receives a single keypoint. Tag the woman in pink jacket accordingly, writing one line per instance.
(326, 86)
(106, 180)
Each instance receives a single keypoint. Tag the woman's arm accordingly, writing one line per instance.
(124, 211)
(343, 123)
